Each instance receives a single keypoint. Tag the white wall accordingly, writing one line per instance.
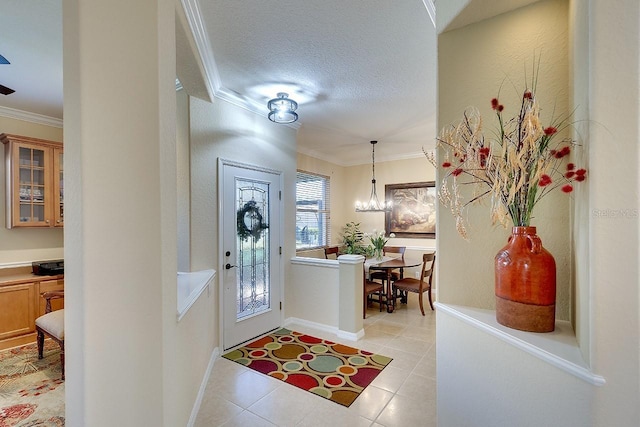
(614, 145)
(486, 382)
(120, 226)
(314, 292)
(222, 130)
(23, 245)
(579, 33)
(191, 342)
(183, 181)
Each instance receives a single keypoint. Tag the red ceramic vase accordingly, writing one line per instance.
(525, 283)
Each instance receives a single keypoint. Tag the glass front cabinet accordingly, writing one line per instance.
(34, 182)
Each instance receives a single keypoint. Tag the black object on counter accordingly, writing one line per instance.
(48, 268)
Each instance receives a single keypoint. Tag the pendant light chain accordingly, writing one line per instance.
(373, 165)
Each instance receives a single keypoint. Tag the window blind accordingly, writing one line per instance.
(313, 213)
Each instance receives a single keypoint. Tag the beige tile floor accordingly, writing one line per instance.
(404, 394)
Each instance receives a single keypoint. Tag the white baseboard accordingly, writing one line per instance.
(351, 336)
(203, 387)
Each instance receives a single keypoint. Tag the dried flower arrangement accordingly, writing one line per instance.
(515, 169)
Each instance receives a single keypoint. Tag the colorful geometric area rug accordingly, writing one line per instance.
(31, 389)
(328, 369)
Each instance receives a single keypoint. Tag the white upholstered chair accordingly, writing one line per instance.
(51, 324)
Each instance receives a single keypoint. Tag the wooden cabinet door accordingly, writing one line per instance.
(50, 285)
(18, 314)
(31, 185)
(34, 181)
(58, 187)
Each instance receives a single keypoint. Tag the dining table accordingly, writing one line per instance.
(389, 264)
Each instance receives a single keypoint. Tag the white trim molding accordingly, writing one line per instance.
(12, 113)
(558, 348)
(431, 10)
(351, 336)
(213, 82)
(203, 387)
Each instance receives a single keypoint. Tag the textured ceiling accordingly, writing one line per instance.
(362, 70)
(32, 42)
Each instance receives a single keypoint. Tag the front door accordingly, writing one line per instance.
(250, 261)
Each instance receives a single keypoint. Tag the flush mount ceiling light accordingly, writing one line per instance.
(373, 205)
(282, 109)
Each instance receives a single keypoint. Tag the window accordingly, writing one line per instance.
(312, 210)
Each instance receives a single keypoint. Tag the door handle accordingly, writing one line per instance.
(229, 266)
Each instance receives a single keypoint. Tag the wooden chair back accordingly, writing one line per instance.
(427, 273)
(418, 286)
(394, 250)
(332, 250)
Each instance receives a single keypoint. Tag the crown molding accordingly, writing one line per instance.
(201, 39)
(40, 119)
(337, 161)
(211, 73)
(431, 10)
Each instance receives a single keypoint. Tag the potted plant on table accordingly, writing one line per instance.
(352, 238)
(516, 168)
(378, 242)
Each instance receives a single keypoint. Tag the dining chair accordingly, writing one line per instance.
(51, 324)
(331, 250)
(370, 288)
(419, 286)
(397, 252)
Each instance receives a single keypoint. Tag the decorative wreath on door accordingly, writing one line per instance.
(250, 213)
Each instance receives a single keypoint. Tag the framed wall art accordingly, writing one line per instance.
(414, 210)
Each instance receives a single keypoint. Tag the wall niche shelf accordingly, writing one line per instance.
(558, 348)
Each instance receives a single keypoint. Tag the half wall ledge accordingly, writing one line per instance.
(558, 348)
(190, 286)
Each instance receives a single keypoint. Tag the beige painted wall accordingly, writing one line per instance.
(23, 245)
(358, 187)
(352, 183)
(604, 232)
(474, 62)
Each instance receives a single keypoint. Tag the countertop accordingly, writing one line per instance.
(20, 275)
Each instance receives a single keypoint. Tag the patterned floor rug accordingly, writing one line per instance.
(330, 370)
(31, 391)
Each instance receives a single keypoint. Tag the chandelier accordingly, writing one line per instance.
(373, 205)
(282, 109)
